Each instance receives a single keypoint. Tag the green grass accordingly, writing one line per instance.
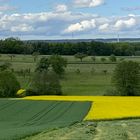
(105, 130)
(20, 118)
(85, 83)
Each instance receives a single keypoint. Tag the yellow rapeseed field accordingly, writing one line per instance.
(103, 107)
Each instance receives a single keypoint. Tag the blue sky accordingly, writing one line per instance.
(63, 19)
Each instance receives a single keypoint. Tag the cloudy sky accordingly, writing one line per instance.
(66, 19)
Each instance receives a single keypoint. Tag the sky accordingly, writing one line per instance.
(69, 19)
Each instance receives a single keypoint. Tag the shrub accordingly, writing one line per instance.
(93, 58)
(46, 84)
(103, 59)
(112, 58)
(80, 56)
(111, 92)
(8, 84)
(105, 71)
(92, 70)
(58, 64)
(78, 71)
(5, 66)
(127, 78)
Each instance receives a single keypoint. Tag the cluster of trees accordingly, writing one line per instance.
(9, 84)
(45, 81)
(16, 46)
(47, 76)
(126, 79)
(81, 56)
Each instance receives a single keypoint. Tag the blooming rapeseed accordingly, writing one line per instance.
(103, 107)
(21, 92)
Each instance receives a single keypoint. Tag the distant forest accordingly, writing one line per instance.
(16, 46)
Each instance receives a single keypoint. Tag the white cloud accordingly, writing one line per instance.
(64, 23)
(61, 8)
(88, 3)
(81, 26)
(104, 27)
(22, 28)
(128, 23)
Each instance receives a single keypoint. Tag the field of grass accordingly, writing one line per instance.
(20, 118)
(90, 81)
(104, 130)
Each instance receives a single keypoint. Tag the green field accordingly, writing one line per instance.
(106, 130)
(20, 118)
(90, 81)
(50, 120)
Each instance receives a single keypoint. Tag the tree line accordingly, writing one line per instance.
(16, 46)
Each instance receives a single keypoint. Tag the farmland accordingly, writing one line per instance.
(86, 111)
(90, 81)
(19, 118)
(103, 107)
(60, 117)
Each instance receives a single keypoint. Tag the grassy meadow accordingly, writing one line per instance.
(81, 78)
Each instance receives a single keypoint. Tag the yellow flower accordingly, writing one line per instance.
(21, 92)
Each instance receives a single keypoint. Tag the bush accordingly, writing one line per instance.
(5, 66)
(46, 84)
(112, 58)
(8, 84)
(103, 59)
(127, 78)
(31, 92)
(111, 92)
(78, 71)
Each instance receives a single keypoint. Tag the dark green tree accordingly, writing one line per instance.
(46, 84)
(11, 56)
(58, 64)
(93, 58)
(112, 58)
(80, 56)
(43, 65)
(103, 59)
(5, 66)
(35, 56)
(8, 84)
(127, 78)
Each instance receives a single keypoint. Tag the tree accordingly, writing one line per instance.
(5, 66)
(43, 65)
(11, 56)
(112, 58)
(93, 58)
(46, 84)
(58, 64)
(103, 59)
(8, 84)
(127, 78)
(35, 56)
(80, 56)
